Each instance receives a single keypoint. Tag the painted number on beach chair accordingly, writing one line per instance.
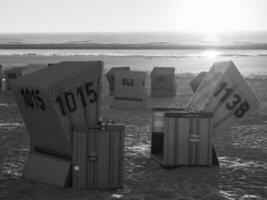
(32, 99)
(128, 82)
(70, 99)
(236, 101)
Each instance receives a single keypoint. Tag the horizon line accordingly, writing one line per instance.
(122, 32)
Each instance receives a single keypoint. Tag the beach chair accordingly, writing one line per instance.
(163, 82)
(111, 77)
(51, 101)
(225, 93)
(130, 92)
(11, 75)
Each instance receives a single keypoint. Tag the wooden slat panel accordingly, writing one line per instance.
(187, 139)
(115, 158)
(103, 159)
(79, 160)
(210, 145)
(183, 136)
(169, 140)
(91, 180)
(121, 158)
(193, 143)
(203, 149)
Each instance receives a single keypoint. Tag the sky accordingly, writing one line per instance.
(132, 15)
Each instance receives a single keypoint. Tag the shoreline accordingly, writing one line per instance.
(135, 46)
(247, 65)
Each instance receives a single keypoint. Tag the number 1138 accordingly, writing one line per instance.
(236, 102)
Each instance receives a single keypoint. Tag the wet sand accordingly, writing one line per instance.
(242, 152)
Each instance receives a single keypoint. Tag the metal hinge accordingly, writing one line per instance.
(194, 138)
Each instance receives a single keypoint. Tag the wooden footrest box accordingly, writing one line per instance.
(98, 157)
(185, 140)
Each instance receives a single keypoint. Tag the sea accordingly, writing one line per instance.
(186, 51)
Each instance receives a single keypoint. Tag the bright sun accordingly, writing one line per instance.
(211, 54)
(212, 16)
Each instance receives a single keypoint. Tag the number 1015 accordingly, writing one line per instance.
(70, 98)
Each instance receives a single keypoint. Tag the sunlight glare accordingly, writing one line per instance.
(211, 54)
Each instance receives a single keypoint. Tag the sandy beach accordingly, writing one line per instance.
(242, 152)
(187, 35)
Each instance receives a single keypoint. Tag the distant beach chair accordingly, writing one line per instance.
(130, 91)
(11, 75)
(111, 77)
(163, 82)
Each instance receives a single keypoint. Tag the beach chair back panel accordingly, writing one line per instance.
(111, 77)
(195, 83)
(11, 75)
(53, 99)
(130, 85)
(32, 68)
(80, 103)
(98, 157)
(163, 82)
(187, 139)
(224, 92)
